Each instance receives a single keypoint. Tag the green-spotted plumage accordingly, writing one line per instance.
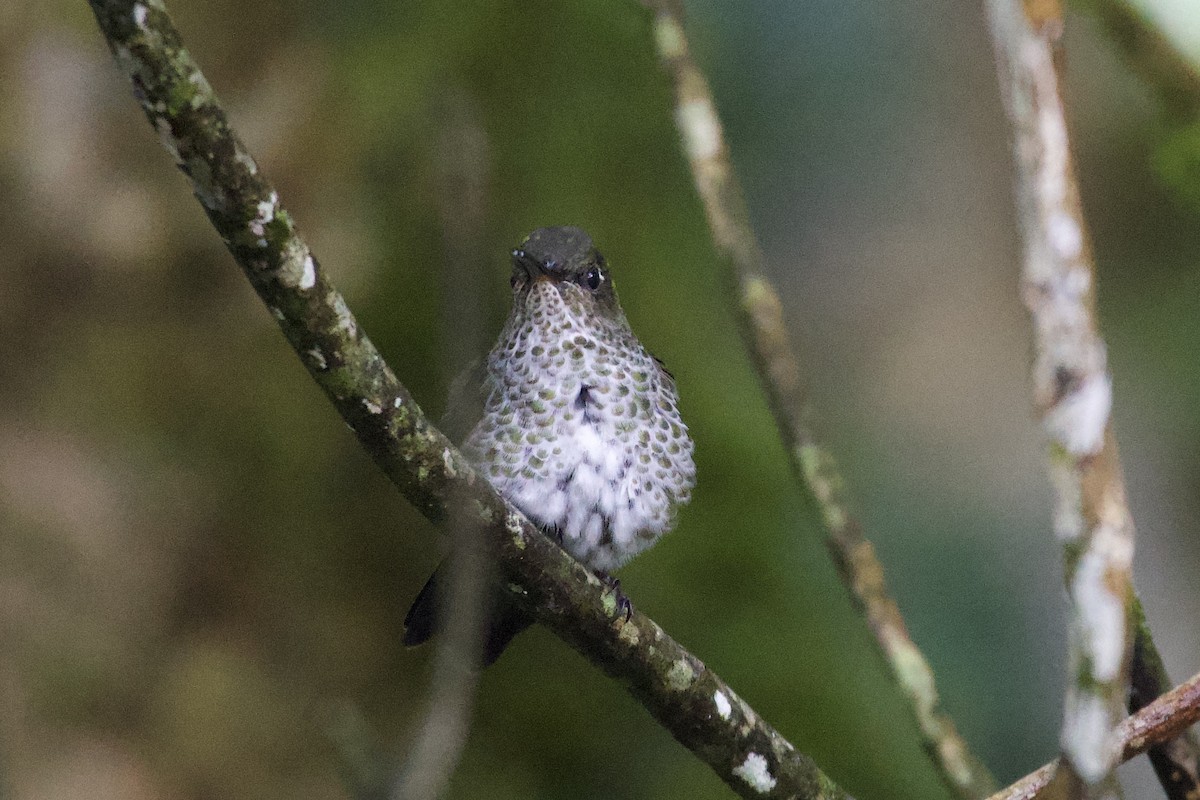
(580, 425)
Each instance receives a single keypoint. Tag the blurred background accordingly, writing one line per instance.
(202, 576)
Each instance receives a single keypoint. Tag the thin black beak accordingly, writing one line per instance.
(534, 269)
(526, 263)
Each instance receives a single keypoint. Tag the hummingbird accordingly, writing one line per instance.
(571, 420)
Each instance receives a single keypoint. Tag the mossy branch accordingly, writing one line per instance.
(760, 314)
(688, 699)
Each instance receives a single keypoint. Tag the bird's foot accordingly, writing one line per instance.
(614, 585)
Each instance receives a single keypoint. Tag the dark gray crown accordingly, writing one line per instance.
(561, 251)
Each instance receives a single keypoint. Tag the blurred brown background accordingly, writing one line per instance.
(201, 574)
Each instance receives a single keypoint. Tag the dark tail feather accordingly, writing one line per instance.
(504, 621)
(420, 623)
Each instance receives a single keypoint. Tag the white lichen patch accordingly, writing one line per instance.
(1052, 178)
(371, 407)
(203, 89)
(317, 358)
(263, 215)
(1078, 420)
(1087, 739)
(1065, 236)
(309, 277)
(139, 15)
(629, 633)
(344, 317)
(295, 265)
(724, 707)
(276, 313)
(448, 463)
(247, 161)
(756, 773)
(681, 675)
(1101, 613)
(399, 401)
(697, 119)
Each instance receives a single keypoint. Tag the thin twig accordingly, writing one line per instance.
(442, 734)
(462, 166)
(1162, 721)
(687, 698)
(365, 769)
(1072, 393)
(761, 317)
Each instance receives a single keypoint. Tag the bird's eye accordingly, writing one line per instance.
(593, 278)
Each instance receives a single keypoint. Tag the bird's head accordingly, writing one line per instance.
(564, 260)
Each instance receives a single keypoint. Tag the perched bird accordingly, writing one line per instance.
(573, 421)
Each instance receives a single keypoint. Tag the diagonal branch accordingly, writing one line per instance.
(688, 699)
(1073, 395)
(1160, 722)
(761, 316)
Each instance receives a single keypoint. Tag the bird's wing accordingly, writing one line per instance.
(669, 378)
(464, 408)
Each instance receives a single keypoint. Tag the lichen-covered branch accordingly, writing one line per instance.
(761, 316)
(1162, 721)
(688, 699)
(1072, 393)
